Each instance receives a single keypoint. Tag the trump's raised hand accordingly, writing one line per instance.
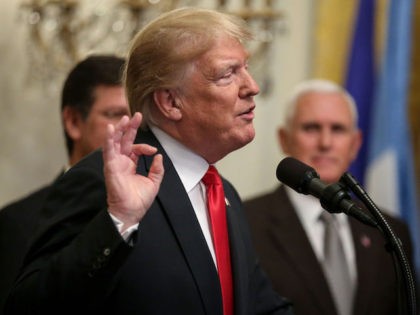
(129, 195)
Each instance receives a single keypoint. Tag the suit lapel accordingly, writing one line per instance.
(175, 203)
(237, 252)
(297, 247)
(367, 262)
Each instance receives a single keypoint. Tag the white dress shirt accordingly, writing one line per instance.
(308, 209)
(191, 169)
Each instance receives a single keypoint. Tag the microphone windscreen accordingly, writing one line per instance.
(295, 174)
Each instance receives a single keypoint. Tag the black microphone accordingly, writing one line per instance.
(334, 197)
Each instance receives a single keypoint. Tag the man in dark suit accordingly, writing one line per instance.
(92, 97)
(126, 230)
(321, 130)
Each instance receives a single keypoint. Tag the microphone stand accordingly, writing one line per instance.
(402, 266)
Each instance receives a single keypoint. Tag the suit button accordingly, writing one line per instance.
(96, 265)
(107, 251)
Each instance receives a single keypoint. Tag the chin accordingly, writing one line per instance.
(249, 138)
(328, 178)
(242, 142)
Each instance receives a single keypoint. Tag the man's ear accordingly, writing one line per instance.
(168, 104)
(283, 139)
(72, 122)
(356, 144)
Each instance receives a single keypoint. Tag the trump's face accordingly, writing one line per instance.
(217, 101)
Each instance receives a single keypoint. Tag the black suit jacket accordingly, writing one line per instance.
(80, 264)
(18, 221)
(291, 264)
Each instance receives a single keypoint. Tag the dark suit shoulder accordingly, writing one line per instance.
(266, 205)
(396, 223)
(30, 204)
(18, 221)
(91, 161)
(401, 231)
(264, 198)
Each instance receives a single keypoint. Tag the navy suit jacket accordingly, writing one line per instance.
(291, 264)
(79, 263)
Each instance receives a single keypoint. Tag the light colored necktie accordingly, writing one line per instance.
(217, 211)
(335, 266)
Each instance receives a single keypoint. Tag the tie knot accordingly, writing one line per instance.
(211, 177)
(327, 218)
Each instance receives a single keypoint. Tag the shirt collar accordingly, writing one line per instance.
(308, 208)
(190, 166)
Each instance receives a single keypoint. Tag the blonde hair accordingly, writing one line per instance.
(163, 51)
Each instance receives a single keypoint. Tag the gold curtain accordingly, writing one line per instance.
(332, 34)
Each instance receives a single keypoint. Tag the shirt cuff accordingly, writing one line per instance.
(126, 235)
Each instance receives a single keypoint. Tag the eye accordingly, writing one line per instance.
(227, 75)
(310, 127)
(114, 114)
(225, 78)
(339, 128)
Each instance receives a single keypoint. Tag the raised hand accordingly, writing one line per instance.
(129, 195)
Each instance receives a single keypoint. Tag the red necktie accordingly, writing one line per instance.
(217, 210)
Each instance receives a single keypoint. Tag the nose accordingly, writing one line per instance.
(249, 86)
(325, 138)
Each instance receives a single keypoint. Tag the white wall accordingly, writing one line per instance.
(32, 149)
(32, 145)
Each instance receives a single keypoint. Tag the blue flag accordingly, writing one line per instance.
(360, 78)
(390, 177)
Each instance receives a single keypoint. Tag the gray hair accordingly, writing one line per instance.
(321, 86)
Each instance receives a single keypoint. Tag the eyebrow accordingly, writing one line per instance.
(228, 64)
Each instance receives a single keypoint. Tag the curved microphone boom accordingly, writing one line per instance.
(334, 197)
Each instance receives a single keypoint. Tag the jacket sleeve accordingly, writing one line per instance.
(72, 262)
